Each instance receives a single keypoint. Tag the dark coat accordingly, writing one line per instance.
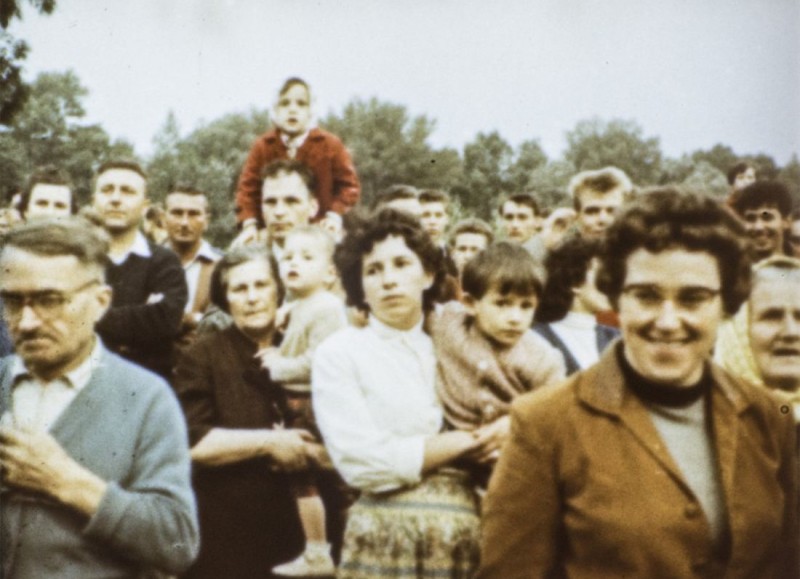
(248, 517)
(586, 488)
(149, 295)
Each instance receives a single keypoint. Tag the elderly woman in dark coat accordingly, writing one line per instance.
(248, 519)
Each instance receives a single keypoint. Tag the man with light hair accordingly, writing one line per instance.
(94, 452)
(148, 281)
(597, 196)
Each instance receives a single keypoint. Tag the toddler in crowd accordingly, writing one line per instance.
(487, 354)
(307, 271)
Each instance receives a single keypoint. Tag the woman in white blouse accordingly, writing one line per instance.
(375, 403)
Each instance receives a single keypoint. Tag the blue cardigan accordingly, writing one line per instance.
(126, 427)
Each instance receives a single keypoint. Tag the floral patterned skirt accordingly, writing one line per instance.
(429, 530)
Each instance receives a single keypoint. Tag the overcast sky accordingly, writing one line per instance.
(691, 72)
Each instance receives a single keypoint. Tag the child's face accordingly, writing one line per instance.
(305, 266)
(292, 112)
(503, 318)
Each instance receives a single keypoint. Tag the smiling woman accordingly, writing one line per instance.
(669, 466)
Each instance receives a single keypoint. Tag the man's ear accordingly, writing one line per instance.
(469, 303)
(102, 297)
(313, 205)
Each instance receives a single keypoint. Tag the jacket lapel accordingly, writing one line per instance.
(603, 388)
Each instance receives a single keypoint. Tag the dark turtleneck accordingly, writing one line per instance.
(654, 393)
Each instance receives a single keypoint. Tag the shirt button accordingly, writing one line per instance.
(483, 365)
(692, 511)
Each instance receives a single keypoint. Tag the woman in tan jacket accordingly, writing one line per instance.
(654, 462)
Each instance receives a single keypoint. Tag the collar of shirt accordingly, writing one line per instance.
(294, 143)
(76, 378)
(206, 252)
(389, 333)
(579, 321)
(140, 247)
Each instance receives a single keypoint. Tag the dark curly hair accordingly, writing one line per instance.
(567, 266)
(364, 230)
(666, 218)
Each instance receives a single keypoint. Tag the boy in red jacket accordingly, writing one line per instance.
(294, 137)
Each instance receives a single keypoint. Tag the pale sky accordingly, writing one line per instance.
(691, 72)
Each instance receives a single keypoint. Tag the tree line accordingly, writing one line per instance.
(388, 146)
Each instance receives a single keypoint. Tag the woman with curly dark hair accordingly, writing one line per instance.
(375, 402)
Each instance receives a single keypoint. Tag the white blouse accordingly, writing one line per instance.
(375, 403)
(578, 331)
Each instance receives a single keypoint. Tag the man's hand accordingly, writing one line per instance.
(34, 461)
(247, 236)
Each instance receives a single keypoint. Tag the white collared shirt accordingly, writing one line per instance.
(205, 254)
(375, 402)
(38, 405)
(140, 247)
(577, 331)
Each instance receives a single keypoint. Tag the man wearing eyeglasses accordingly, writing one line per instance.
(93, 450)
(654, 462)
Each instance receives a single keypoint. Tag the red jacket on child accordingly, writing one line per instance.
(337, 188)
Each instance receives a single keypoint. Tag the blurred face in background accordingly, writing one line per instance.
(519, 221)
(466, 246)
(186, 218)
(597, 211)
(434, 220)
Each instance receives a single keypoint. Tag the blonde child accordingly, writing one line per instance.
(307, 271)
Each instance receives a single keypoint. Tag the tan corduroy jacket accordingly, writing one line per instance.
(586, 488)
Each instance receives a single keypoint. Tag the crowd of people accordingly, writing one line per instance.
(610, 389)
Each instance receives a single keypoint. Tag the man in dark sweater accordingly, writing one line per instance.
(149, 288)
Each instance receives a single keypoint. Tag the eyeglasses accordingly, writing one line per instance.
(46, 304)
(687, 299)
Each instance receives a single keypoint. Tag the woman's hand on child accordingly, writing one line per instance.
(288, 449)
(490, 439)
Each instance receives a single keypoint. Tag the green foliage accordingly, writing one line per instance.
(49, 130)
(390, 147)
(487, 173)
(596, 143)
(706, 178)
(790, 176)
(13, 91)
